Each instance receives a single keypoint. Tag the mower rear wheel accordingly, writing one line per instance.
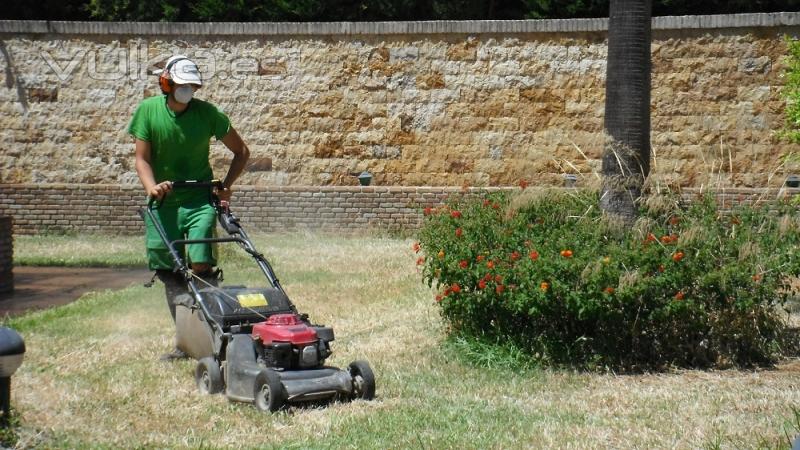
(363, 380)
(268, 391)
(208, 376)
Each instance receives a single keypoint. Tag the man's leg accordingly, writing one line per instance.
(200, 223)
(162, 262)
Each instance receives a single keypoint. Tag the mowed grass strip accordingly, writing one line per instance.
(92, 379)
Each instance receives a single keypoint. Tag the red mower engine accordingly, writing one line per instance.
(287, 342)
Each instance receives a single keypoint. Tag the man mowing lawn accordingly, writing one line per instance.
(172, 133)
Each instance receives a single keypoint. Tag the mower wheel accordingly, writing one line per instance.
(268, 391)
(363, 380)
(208, 376)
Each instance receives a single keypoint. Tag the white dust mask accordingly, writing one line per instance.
(184, 94)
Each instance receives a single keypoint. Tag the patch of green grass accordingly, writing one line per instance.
(92, 379)
(79, 251)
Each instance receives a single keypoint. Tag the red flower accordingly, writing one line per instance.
(416, 247)
(459, 232)
(523, 184)
(498, 279)
(480, 258)
(515, 256)
(534, 255)
(496, 205)
(463, 264)
(679, 295)
(420, 260)
(650, 238)
(499, 288)
(487, 277)
(677, 256)
(438, 298)
(490, 265)
(566, 253)
(427, 211)
(482, 284)
(486, 202)
(455, 214)
(609, 290)
(455, 288)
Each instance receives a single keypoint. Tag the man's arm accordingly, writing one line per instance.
(144, 169)
(241, 154)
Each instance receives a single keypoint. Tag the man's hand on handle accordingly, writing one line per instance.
(160, 190)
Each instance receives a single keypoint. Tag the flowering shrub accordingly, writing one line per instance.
(546, 271)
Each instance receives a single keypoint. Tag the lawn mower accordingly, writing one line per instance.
(252, 343)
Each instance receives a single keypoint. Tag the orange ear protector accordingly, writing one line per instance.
(165, 79)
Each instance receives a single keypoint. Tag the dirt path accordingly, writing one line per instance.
(43, 287)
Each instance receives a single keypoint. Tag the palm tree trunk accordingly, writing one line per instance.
(626, 153)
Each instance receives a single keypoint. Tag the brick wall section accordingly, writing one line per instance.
(6, 255)
(112, 209)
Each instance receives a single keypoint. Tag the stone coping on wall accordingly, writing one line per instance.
(776, 19)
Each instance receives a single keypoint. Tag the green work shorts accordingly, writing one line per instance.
(190, 220)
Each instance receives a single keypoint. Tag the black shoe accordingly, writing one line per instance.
(173, 355)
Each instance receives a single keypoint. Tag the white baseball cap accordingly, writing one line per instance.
(182, 70)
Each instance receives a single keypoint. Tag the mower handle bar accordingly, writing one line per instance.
(195, 184)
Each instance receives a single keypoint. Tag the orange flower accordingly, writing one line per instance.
(566, 253)
(650, 237)
(463, 264)
(679, 295)
(534, 255)
(544, 286)
(420, 260)
(674, 220)
(416, 247)
(757, 277)
(609, 290)
(677, 256)
(515, 256)
(427, 211)
(490, 265)
(480, 258)
(666, 239)
(440, 254)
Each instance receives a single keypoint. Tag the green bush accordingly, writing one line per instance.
(791, 92)
(548, 272)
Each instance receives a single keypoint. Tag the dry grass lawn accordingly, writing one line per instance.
(91, 376)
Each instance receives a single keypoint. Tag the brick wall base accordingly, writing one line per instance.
(6, 255)
(112, 209)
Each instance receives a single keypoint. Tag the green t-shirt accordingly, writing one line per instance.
(179, 143)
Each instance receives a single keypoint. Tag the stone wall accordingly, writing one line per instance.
(415, 103)
(113, 209)
(6, 255)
